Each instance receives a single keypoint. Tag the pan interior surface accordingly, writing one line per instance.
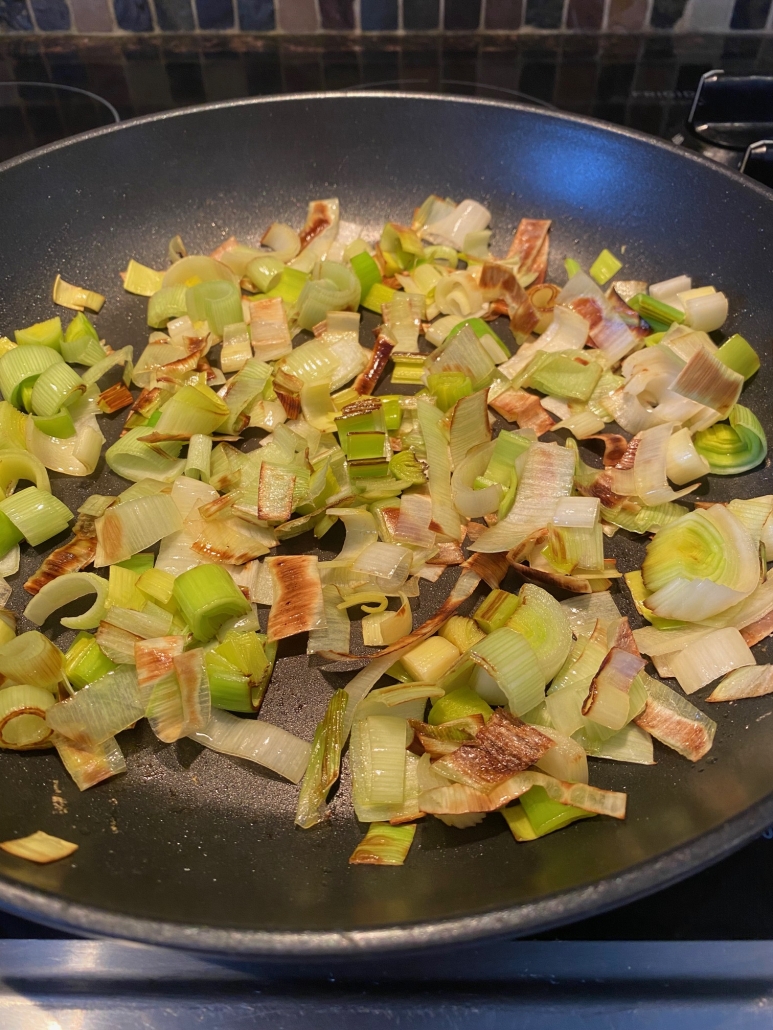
(196, 848)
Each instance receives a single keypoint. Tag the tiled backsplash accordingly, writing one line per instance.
(304, 17)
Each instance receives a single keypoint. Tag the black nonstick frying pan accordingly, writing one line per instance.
(197, 850)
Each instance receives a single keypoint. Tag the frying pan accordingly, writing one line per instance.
(197, 850)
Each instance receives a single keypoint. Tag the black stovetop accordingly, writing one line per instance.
(647, 83)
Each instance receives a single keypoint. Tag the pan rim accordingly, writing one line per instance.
(353, 94)
(550, 911)
(277, 946)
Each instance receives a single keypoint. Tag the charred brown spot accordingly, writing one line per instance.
(362, 407)
(615, 446)
(367, 380)
(318, 220)
(589, 309)
(574, 584)
(449, 553)
(690, 738)
(115, 398)
(291, 402)
(71, 557)
(523, 408)
(503, 747)
(492, 568)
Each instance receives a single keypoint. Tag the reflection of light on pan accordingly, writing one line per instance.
(402, 83)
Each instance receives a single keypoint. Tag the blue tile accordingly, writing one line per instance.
(51, 15)
(14, 16)
(133, 15)
(257, 15)
(378, 15)
(174, 15)
(215, 14)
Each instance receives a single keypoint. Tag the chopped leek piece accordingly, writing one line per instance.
(42, 334)
(515, 816)
(36, 514)
(737, 354)
(368, 272)
(384, 844)
(218, 302)
(123, 591)
(39, 847)
(76, 297)
(655, 311)
(494, 345)
(80, 327)
(265, 272)
(546, 815)
(138, 563)
(408, 368)
(325, 763)
(85, 662)
(20, 367)
(393, 413)
(377, 296)
(456, 705)
(60, 425)
(461, 631)
(447, 387)
(141, 280)
(572, 267)
(289, 287)
(429, 660)
(495, 610)
(735, 447)
(405, 466)
(604, 267)
(207, 596)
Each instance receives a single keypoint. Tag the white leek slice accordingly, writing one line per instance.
(469, 425)
(748, 681)
(61, 591)
(100, 710)
(631, 744)
(584, 611)
(414, 519)
(361, 531)
(256, 741)
(548, 474)
(388, 627)
(335, 634)
(707, 659)
(706, 312)
(89, 766)
(439, 462)
(508, 657)
(683, 462)
(23, 711)
(451, 230)
(125, 529)
(468, 501)
(297, 605)
(566, 760)
(268, 329)
(649, 467)
(387, 564)
(667, 291)
(675, 722)
(76, 455)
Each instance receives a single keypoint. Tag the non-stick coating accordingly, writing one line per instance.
(196, 849)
